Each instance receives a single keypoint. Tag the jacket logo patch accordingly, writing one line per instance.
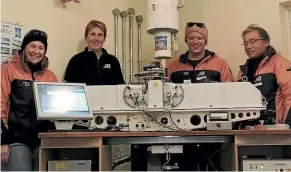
(201, 77)
(258, 81)
(186, 73)
(107, 66)
(27, 84)
(258, 84)
(202, 73)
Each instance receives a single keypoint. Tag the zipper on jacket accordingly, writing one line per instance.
(32, 76)
(99, 74)
(193, 77)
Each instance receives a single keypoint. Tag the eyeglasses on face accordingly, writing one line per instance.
(191, 24)
(250, 42)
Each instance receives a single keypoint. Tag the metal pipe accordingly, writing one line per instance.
(139, 20)
(123, 16)
(181, 4)
(116, 13)
(130, 12)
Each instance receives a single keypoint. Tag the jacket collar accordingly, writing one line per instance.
(264, 58)
(103, 50)
(184, 57)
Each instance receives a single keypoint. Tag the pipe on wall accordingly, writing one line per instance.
(123, 16)
(139, 20)
(116, 13)
(181, 4)
(130, 12)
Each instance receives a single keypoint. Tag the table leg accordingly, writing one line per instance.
(44, 156)
(105, 158)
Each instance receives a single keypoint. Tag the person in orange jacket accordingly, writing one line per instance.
(198, 64)
(269, 72)
(20, 127)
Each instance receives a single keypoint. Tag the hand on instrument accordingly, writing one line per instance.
(4, 153)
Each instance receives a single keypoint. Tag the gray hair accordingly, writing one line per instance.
(262, 32)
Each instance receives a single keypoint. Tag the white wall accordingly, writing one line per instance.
(290, 29)
(225, 20)
(285, 27)
(65, 23)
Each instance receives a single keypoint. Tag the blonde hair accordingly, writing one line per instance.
(95, 23)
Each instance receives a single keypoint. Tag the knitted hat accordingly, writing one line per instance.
(196, 27)
(34, 35)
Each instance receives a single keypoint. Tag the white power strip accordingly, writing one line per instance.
(277, 165)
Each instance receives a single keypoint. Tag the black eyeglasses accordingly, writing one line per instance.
(37, 32)
(251, 42)
(191, 24)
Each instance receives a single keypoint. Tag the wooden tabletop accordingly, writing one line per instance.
(156, 134)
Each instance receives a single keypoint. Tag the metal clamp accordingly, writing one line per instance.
(264, 101)
(244, 79)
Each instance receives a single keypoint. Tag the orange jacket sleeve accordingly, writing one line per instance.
(5, 91)
(50, 76)
(225, 73)
(54, 78)
(284, 81)
(170, 69)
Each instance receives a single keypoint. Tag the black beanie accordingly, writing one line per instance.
(34, 35)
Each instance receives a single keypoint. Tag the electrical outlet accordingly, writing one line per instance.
(175, 47)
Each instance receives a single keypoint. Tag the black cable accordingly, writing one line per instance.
(121, 162)
(118, 152)
(85, 125)
(164, 125)
(108, 128)
(120, 158)
(137, 105)
(209, 158)
(173, 121)
(145, 89)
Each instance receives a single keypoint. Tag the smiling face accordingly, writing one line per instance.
(196, 42)
(35, 51)
(95, 39)
(254, 44)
